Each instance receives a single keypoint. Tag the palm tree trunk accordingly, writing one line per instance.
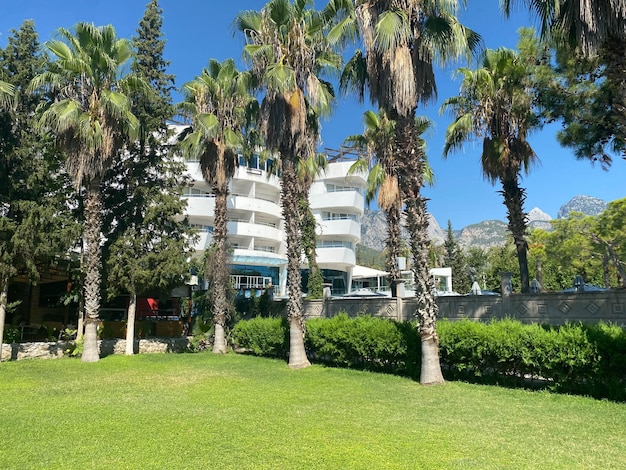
(514, 197)
(392, 245)
(297, 330)
(4, 295)
(130, 325)
(221, 274)
(93, 262)
(411, 179)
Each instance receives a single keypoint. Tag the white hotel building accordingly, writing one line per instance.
(256, 227)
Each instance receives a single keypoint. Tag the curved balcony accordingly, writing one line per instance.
(340, 228)
(244, 229)
(256, 175)
(204, 206)
(250, 204)
(335, 257)
(338, 200)
(339, 171)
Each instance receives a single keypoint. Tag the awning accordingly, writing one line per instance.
(362, 272)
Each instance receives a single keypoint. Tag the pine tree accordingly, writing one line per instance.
(149, 240)
(35, 224)
(453, 258)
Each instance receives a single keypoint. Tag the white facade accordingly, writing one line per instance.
(256, 227)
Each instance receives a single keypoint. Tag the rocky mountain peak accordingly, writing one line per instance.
(588, 205)
(539, 219)
(484, 234)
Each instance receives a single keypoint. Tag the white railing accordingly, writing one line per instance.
(242, 282)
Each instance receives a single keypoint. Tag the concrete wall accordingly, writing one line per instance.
(549, 308)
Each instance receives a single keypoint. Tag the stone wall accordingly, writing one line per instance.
(18, 351)
(548, 308)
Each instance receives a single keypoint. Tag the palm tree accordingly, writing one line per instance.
(219, 105)
(588, 25)
(593, 34)
(495, 104)
(7, 95)
(288, 50)
(402, 40)
(377, 141)
(91, 118)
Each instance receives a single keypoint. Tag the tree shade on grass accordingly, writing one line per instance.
(170, 411)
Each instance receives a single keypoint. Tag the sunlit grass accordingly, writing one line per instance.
(241, 412)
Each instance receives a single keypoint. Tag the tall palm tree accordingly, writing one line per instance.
(495, 105)
(377, 141)
(220, 106)
(402, 40)
(286, 44)
(91, 119)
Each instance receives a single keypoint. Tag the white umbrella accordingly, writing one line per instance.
(476, 288)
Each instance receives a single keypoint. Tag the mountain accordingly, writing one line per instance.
(374, 230)
(483, 234)
(539, 219)
(588, 205)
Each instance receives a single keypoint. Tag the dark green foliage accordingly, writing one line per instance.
(453, 258)
(151, 66)
(361, 342)
(148, 240)
(35, 223)
(256, 306)
(315, 284)
(370, 257)
(588, 96)
(262, 336)
(572, 358)
(11, 334)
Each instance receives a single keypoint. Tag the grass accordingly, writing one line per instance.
(240, 412)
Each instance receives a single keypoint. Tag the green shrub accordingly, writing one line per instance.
(573, 358)
(362, 342)
(11, 334)
(262, 336)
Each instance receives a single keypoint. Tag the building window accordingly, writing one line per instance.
(338, 216)
(334, 244)
(336, 188)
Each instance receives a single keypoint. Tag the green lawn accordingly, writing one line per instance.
(201, 411)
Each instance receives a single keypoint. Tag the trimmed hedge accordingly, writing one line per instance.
(574, 358)
(262, 336)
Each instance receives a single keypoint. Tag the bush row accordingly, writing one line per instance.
(575, 358)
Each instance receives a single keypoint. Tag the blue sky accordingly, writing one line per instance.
(199, 30)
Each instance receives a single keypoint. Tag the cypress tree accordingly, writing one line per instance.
(149, 239)
(453, 258)
(35, 222)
